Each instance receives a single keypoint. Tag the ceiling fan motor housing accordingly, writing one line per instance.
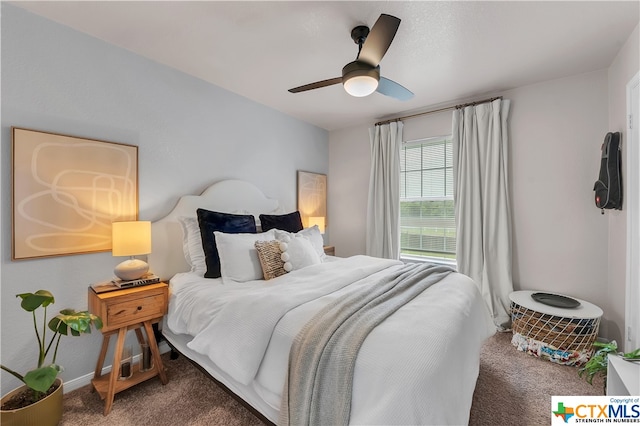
(359, 69)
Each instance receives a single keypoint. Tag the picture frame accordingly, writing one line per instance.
(67, 191)
(312, 197)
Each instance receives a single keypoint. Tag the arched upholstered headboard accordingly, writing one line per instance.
(227, 196)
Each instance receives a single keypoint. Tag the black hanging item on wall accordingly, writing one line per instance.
(608, 187)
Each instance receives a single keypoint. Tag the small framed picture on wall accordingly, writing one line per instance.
(312, 199)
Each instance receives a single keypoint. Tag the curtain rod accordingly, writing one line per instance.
(438, 110)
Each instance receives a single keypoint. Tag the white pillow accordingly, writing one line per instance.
(299, 252)
(192, 244)
(314, 236)
(239, 260)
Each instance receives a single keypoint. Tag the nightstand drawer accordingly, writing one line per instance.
(122, 308)
(120, 313)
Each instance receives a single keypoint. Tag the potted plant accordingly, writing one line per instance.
(42, 387)
(598, 363)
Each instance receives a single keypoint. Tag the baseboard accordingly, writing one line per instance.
(82, 381)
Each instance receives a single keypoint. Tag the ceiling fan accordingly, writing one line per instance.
(362, 76)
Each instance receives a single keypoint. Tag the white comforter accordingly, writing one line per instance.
(418, 367)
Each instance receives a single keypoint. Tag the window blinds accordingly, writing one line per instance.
(427, 217)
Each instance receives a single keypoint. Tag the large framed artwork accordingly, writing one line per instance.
(67, 191)
(312, 198)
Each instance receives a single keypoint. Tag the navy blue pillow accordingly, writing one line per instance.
(290, 222)
(223, 222)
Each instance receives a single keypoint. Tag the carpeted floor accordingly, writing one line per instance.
(513, 388)
(516, 388)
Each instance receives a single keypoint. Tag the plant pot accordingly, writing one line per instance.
(46, 412)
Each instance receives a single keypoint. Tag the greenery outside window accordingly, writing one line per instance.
(427, 217)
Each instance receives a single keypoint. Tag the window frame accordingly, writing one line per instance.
(413, 258)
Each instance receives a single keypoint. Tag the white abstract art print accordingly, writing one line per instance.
(67, 191)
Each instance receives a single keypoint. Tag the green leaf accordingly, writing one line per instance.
(42, 378)
(611, 346)
(70, 321)
(32, 301)
(597, 364)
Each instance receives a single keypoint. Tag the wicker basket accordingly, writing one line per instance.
(564, 333)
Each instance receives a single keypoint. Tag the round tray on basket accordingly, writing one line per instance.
(555, 300)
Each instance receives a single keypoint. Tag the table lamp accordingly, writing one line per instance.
(131, 239)
(317, 220)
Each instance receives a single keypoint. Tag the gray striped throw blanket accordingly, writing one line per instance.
(318, 386)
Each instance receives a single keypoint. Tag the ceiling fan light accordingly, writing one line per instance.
(360, 79)
(361, 85)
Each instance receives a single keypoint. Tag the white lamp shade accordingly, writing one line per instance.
(317, 220)
(131, 238)
(361, 85)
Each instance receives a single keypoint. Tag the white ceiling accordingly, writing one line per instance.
(443, 51)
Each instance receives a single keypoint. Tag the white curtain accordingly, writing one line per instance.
(482, 209)
(383, 212)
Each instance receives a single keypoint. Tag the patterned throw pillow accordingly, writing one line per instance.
(272, 258)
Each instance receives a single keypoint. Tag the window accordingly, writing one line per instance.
(427, 221)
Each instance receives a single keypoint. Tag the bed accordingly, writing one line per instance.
(417, 365)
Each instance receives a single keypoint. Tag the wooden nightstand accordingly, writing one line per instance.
(329, 250)
(122, 311)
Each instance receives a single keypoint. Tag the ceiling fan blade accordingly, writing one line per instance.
(316, 85)
(379, 39)
(391, 88)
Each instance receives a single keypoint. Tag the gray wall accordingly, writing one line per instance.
(189, 133)
(621, 71)
(560, 238)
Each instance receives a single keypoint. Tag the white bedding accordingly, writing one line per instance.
(418, 367)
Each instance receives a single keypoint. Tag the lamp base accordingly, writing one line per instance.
(131, 269)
